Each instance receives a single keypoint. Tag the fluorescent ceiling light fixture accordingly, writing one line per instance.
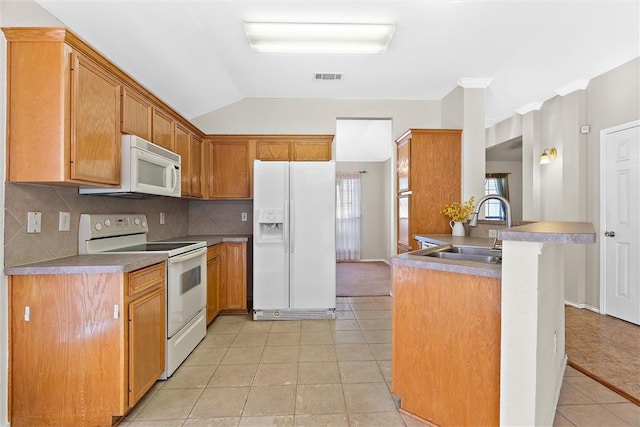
(281, 37)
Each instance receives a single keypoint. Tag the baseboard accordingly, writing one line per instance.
(583, 306)
(369, 260)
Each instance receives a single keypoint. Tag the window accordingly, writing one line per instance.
(348, 216)
(496, 183)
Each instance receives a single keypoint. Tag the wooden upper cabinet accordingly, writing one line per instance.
(402, 164)
(136, 114)
(163, 129)
(429, 165)
(197, 167)
(190, 148)
(183, 147)
(229, 167)
(294, 147)
(63, 114)
(312, 149)
(267, 149)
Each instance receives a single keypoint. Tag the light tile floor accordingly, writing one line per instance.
(318, 373)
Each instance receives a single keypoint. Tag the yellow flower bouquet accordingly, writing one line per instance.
(459, 212)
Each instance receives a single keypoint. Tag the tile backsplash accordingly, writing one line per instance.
(182, 217)
(22, 248)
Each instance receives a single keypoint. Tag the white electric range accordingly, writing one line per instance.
(186, 275)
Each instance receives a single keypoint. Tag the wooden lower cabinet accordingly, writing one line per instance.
(213, 282)
(84, 348)
(233, 283)
(445, 358)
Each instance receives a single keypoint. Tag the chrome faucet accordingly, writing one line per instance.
(473, 222)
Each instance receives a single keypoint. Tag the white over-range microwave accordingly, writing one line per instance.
(146, 169)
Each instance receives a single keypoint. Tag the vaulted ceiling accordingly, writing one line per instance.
(195, 56)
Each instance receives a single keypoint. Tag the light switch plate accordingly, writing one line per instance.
(64, 221)
(493, 233)
(244, 216)
(34, 222)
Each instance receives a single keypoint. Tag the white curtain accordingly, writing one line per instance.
(348, 216)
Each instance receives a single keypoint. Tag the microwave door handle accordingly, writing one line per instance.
(175, 178)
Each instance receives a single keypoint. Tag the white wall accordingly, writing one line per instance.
(568, 188)
(374, 229)
(314, 116)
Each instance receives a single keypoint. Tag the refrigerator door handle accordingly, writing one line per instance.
(292, 226)
(286, 226)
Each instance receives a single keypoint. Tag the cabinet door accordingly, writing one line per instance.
(235, 276)
(229, 164)
(183, 147)
(311, 150)
(163, 133)
(273, 150)
(66, 349)
(146, 342)
(136, 114)
(197, 167)
(95, 123)
(213, 282)
(403, 156)
(404, 211)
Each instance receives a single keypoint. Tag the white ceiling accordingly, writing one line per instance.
(194, 54)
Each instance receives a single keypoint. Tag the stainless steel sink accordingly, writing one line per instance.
(465, 253)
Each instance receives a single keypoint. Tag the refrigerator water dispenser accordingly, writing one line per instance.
(270, 226)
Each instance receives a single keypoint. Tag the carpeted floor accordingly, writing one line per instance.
(606, 349)
(370, 278)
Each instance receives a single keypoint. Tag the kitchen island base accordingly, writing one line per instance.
(446, 346)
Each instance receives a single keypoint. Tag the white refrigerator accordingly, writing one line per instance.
(294, 249)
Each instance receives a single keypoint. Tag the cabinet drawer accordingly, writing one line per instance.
(145, 278)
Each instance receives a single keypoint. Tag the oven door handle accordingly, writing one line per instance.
(186, 257)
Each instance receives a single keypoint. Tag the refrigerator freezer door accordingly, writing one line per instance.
(312, 230)
(270, 256)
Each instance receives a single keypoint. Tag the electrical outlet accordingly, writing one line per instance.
(244, 216)
(162, 218)
(34, 222)
(493, 233)
(64, 221)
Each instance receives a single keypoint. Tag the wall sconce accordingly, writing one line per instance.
(548, 155)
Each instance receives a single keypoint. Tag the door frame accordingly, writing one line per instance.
(603, 201)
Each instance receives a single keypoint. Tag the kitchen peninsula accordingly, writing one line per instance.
(483, 326)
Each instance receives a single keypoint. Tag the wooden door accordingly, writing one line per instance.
(197, 167)
(183, 148)
(213, 282)
(229, 165)
(163, 129)
(95, 123)
(146, 342)
(136, 114)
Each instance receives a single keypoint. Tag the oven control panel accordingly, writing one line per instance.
(96, 226)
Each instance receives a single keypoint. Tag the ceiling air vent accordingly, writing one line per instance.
(327, 76)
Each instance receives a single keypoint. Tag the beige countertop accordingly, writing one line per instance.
(112, 263)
